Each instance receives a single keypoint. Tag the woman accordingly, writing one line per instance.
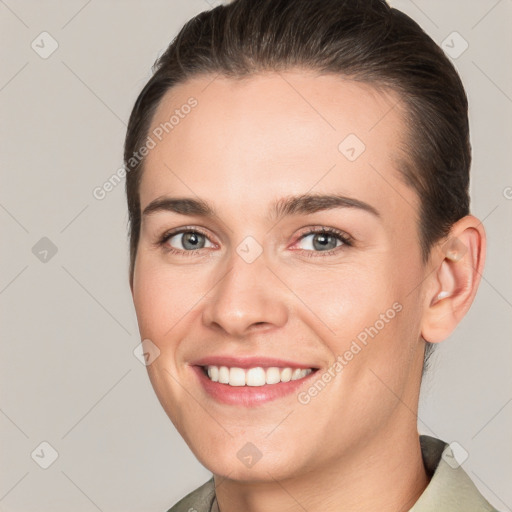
(300, 234)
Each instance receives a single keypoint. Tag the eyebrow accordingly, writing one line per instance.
(303, 204)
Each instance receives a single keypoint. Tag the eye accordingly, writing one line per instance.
(324, 240)
(190, 241)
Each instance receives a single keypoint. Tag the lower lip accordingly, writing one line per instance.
(248, 396)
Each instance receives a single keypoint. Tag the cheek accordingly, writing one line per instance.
(162, 298)
(344, 299)
(362, 314)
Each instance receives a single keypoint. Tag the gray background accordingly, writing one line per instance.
(68, 373)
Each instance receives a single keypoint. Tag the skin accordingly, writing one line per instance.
(355, 445)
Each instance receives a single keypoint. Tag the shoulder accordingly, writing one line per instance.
(450, 487)
(199, 500)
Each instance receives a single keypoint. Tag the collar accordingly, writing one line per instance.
(450, 489)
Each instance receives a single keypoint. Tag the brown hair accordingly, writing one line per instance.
(363, 40)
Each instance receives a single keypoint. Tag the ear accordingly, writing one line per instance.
(451, 287)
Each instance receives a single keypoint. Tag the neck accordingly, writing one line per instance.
(386, 475)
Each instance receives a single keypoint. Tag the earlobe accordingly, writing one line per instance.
(453, 285)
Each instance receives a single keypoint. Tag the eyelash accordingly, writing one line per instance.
(342, 236)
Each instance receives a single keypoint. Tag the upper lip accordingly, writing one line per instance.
(249, 362)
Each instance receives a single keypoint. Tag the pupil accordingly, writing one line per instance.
(323, 241)
(191, 238)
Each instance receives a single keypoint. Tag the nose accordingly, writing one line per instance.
(248, 297)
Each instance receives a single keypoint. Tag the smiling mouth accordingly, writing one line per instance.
(257, 376)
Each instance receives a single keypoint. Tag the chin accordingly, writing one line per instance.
(248, 464)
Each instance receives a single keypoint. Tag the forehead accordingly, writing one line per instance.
(249, 141)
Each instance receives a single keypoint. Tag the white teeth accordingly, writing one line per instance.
(254, 377)
(213, 373)
(236, 377)
(286, 374)
(224, 375)
(273, 375)
(257, 376)
(296, 374)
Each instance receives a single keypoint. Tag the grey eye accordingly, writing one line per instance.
(321, 241)
(190, 240)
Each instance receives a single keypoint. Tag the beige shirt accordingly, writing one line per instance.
(449, 490)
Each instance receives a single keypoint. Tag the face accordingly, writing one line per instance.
(251, 275)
